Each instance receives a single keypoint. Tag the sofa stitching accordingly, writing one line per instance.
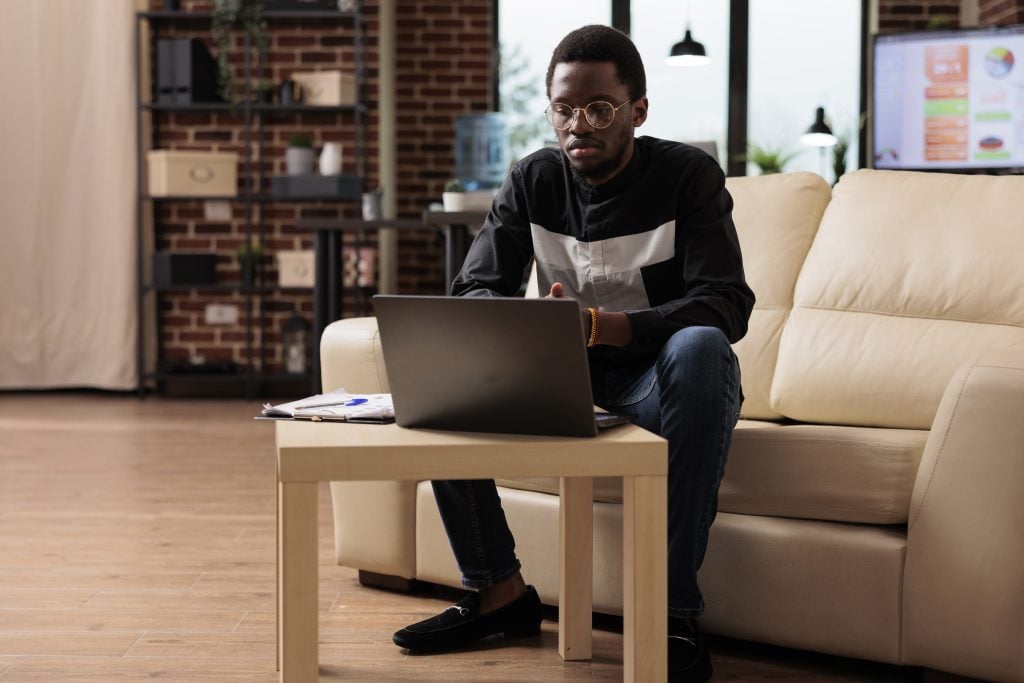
(938, 456)
(836, 309)
(873, 444)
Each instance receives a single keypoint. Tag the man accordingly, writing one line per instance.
(639, 232)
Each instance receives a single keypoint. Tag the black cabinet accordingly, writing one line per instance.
(177, 76)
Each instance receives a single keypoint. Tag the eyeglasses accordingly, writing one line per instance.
(599, 114)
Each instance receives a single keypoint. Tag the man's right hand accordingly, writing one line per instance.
(557, 291)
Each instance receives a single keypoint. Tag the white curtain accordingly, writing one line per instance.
(67, 186)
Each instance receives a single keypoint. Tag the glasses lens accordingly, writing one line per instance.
(600, 114)
(560, 116)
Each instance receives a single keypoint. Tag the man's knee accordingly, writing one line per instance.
(698, 344)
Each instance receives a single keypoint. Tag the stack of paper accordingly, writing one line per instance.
(338, 405)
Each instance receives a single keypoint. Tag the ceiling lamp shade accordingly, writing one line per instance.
(819, 134)
(687, 52)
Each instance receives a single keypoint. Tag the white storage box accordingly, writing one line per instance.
(295, 268)
(207, 174)
(326, 88)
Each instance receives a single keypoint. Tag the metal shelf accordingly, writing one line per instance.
(258, 107)
(163, 15)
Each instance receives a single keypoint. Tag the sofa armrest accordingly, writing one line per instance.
(374, 522)
(351, 357)
(964, 574)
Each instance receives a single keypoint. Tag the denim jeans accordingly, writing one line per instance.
(691, 396)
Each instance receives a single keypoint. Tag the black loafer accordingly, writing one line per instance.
(462, 624)
(688, 657)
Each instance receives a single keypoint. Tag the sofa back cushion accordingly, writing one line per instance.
(910, 275)
(776, 218)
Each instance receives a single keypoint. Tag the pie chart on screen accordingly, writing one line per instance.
(999, 62)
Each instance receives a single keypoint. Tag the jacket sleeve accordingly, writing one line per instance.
(500, 254)
(710, 265)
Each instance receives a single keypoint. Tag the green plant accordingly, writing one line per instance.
(454, 186)
(249, 252)
(839, 152)
(248, 14)
(300, 140)
(767, 159)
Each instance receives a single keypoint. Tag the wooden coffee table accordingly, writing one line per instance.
(309, 452)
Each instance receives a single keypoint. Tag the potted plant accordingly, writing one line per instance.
(299, 157)
(264, 91)
(454, 196)
(248, 15)
(768, 160)
(249, 255)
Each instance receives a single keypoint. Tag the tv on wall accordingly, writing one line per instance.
(949, 100)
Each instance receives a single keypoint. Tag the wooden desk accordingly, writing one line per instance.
(310, 452)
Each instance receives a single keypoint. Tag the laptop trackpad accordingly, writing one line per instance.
(611, 419)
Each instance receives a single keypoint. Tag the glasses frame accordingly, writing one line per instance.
(576, 114)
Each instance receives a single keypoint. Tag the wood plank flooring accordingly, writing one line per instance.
(137, 543)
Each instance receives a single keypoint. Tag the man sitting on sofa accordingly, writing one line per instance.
(639, 232)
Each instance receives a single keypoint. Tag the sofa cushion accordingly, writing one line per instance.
(776, 217)
(910, 276)
(846, 474)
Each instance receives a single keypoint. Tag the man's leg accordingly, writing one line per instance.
(485, 552)
(691, 397)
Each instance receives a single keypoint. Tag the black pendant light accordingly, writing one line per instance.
(688, 52)
(819, 134)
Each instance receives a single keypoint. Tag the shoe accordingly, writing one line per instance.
(462, 624)
(688, 658)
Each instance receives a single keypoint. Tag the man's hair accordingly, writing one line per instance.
(597, 43)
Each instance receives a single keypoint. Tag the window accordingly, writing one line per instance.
(804, 54)
(529, 30)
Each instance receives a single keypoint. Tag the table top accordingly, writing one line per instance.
(344, 224)
(473, 219)
(325, 451)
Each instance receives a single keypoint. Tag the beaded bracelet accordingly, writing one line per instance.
(593, 327)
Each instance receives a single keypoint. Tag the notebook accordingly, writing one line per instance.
(487, 364)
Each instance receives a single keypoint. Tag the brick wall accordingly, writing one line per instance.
(444, 70)
(916, 15)
(1000, 12)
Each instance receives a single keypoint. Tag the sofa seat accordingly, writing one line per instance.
(825, 472)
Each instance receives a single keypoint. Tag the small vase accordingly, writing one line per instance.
(299, 160)
(330, 159)
(454, 201)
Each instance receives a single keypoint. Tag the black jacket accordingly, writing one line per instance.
(657, 241)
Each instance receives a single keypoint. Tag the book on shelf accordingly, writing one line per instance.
(335, 406)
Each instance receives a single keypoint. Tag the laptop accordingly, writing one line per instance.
(488, 364)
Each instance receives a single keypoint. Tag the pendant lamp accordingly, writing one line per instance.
(819, 134)
(688, 52)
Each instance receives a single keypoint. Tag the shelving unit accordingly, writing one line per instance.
(254, 375)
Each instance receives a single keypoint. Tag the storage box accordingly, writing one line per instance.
(295, 268)
(326, 88)
(312, 186)
(207, 174)
(178, 270)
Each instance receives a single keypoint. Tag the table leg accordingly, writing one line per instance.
(297, 582)
(456, 245)
(576, 567)
(645, 579)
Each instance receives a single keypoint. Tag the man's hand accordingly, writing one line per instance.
(558, 292)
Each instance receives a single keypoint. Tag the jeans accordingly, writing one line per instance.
(691, 396)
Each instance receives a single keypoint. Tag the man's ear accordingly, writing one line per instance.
(640, 111)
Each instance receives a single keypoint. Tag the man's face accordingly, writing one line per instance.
(597, 155)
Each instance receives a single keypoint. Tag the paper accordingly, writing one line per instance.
(338, 405)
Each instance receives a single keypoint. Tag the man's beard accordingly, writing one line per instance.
(603, 168)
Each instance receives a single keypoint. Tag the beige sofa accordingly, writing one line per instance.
(873, 503)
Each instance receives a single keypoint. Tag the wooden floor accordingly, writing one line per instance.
(137, 543)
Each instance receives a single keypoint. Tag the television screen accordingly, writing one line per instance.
(949, 100)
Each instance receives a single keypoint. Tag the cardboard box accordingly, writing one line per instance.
(326, 88)
(206, 174)
(295, 268)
